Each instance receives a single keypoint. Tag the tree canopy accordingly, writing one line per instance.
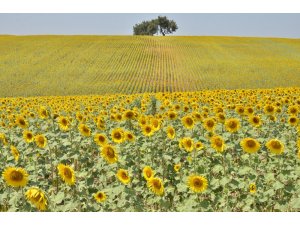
(160, 25)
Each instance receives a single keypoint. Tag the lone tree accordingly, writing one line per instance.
(160, 25)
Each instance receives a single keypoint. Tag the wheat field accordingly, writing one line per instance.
(79, 65)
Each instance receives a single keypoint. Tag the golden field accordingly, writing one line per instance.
(81, 65)
(221, 150)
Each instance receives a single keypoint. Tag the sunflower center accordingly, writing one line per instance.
(16, 176)
(67, 173)
(22, 122)
(189, 121)
(270, 109)
(293, 120)
(41, 140)
(156, 184)
(124, 176)
(251, 143)
(85, 129)
(232, 124)
(210, 123)
(110, 153)
(276, 144)
(129, 115)
(189, 143)
(172, 115)
(100, 195)
(64, 122)
(148, 129)
(29, 136)
(255, 120)
(148, 173)
(218, 143)
(198, 183)
(101, 138)
(117, 135)
(293, 110)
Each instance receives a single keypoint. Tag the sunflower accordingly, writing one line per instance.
(129, 136)
(28, 136)
(37, 198)
(15, 177)
(155, 124)
(148, 173)
(217, 143)
(293, 120)
(129, 115)
(250, 145)
(40, 140)
(63, 123)
(232, 125)
(269, 109)
(255, 121)
(172, 115)
(43, 113)
(100, 139)
(148, 130)
(15, 152)
(187, 143)
(66, 173)
(118, 135)
(3, 139)
(100, 196)
(252, 188)
(221, 117)
(123, 176)
(177, 167)
(197, 183)
(199, 145)
(21, 122)
(275, 146)
(188, 122)
(293, 110)
(209, 124)
(109, 153)
(84, 130)
(156, 186)
(171, 132)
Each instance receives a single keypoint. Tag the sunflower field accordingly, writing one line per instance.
(47, 65)
(221, 150)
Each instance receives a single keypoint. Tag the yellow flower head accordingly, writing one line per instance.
(188, 122)
(15, 152)
(100, 139)
(177, 167)
(148, 173)
(15, 177)
(252, 188)
(37, 198)
(84, 130)
(118, 135)
(66, 173)
(275, 146)
(232, 125)
(40, 141)
(171, 132)
(123, 176)
(250, 145)
(197, 183)
(28, 136)
(156, 186)
(100, 196)
(217, 143)
(109, 153)
(187, 143)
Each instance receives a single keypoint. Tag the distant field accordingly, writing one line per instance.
(77, 65)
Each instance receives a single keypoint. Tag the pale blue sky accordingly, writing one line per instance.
(263, 25)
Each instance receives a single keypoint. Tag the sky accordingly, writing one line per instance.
(198, 24)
